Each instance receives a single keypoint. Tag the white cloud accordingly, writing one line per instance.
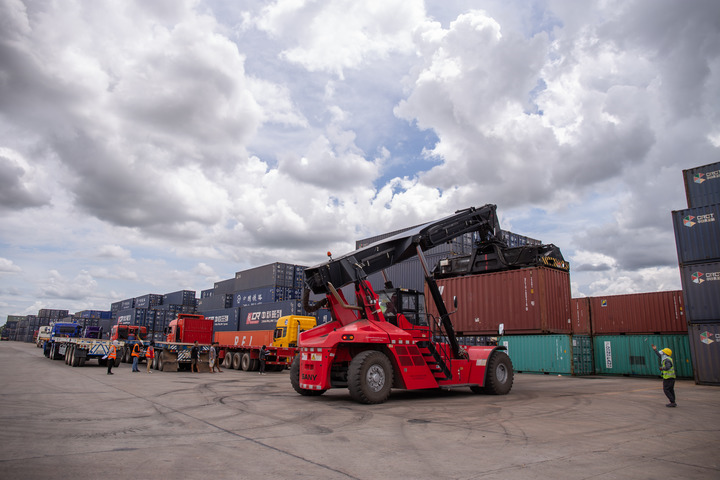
(7, 266)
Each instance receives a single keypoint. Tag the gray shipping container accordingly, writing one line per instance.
(702, 185)
(697, 234)
(274, 274)
(224, 320)
(701, 290)
(705, 350)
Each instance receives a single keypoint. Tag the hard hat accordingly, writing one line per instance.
(667, 351)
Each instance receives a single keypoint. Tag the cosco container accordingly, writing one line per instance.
(701, 289)
(265, 316)
(702, 185)
(580, 316)
(224, 320)
(697, 234)
(632, 355)
(557, 354)
(705, 348)
(655, 312)
(524, 301)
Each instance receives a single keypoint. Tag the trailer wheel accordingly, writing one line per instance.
(227, 361)
(499, 375)
(160, 361)
(66, 358)
(370, 377)
(245, 362)
(236, 361)
(295, 380)
(73, 359)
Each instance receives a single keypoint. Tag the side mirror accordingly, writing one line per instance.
(501, 329)
(454, 301)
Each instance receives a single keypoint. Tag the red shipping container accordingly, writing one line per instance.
(580, 314)
(525, 301)
(656, 312)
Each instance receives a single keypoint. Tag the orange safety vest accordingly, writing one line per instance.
(136, 350)
(112, 352)
(150, 352)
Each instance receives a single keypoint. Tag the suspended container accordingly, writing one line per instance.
(702, 185)
(632, 355)
(550, 354)
(525, 301)
(705, 349)
(697, 234)
(656, 312)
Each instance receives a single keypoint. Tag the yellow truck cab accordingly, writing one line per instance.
(288, 330)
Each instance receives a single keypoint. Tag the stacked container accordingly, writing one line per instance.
(697, 238)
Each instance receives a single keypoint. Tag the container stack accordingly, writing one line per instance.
(697, 238)
(624, 328)
(256, 298)
(153, 311)
(11, 326)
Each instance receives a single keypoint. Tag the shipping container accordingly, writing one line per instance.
(697, 234)
(705, 349)
(702, 185)
(655, 312)
(526, 301)
(181, 297)
(580, 316)
(265, 316)
(207, 293)
(148, 301)
(701, 290)
(274, 274)
(245, 338)
(224, 320)
(51, 313)
(216, 302)
(269, 294)
(134, 316)
(556, 354)
(632, 355)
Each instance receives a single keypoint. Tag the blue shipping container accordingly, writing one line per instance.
(697, 234)
(702, 185)
(265, 316)
(701, 291)
(224, 320)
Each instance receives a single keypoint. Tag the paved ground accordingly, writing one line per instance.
(63, 422)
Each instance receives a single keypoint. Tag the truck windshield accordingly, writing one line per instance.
(279, 333)
(65, 330)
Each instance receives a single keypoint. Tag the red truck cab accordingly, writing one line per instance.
(189, 328)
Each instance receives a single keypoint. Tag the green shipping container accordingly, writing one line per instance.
(557, 354)
(633, 354)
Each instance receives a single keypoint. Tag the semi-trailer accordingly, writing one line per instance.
(75, 345)
(240, 350)
(174, 353)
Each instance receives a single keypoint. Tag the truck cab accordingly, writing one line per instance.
(43, 335)
(401, 303)
(128, 333)
(289, 328)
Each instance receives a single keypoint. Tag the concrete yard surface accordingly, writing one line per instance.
(57, 421)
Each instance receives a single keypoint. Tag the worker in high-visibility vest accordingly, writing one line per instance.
(150, 356)
(111, 356)
(667, 370)
(135, 356)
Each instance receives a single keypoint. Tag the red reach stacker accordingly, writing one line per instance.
(382, 340)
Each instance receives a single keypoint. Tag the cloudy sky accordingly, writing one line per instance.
(153, 146)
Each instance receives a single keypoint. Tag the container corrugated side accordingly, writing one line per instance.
(525, 301)
(705, 348)
(632, 355)
(702, 185)
(224, 320)
(556, 354)
(266, 315)
(655, 312)
(701, 290)
(580, 316)
(697, 234)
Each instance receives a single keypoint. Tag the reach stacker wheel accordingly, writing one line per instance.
(499, 375)
(370, 377)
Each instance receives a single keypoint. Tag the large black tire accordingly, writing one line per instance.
(74, 361)
(160, 361)
(499, 375)
(370, 377)
(295, 380)
(227, 361)
(246, 362)
(237, 361)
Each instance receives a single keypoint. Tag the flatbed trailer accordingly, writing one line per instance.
(173, 356)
